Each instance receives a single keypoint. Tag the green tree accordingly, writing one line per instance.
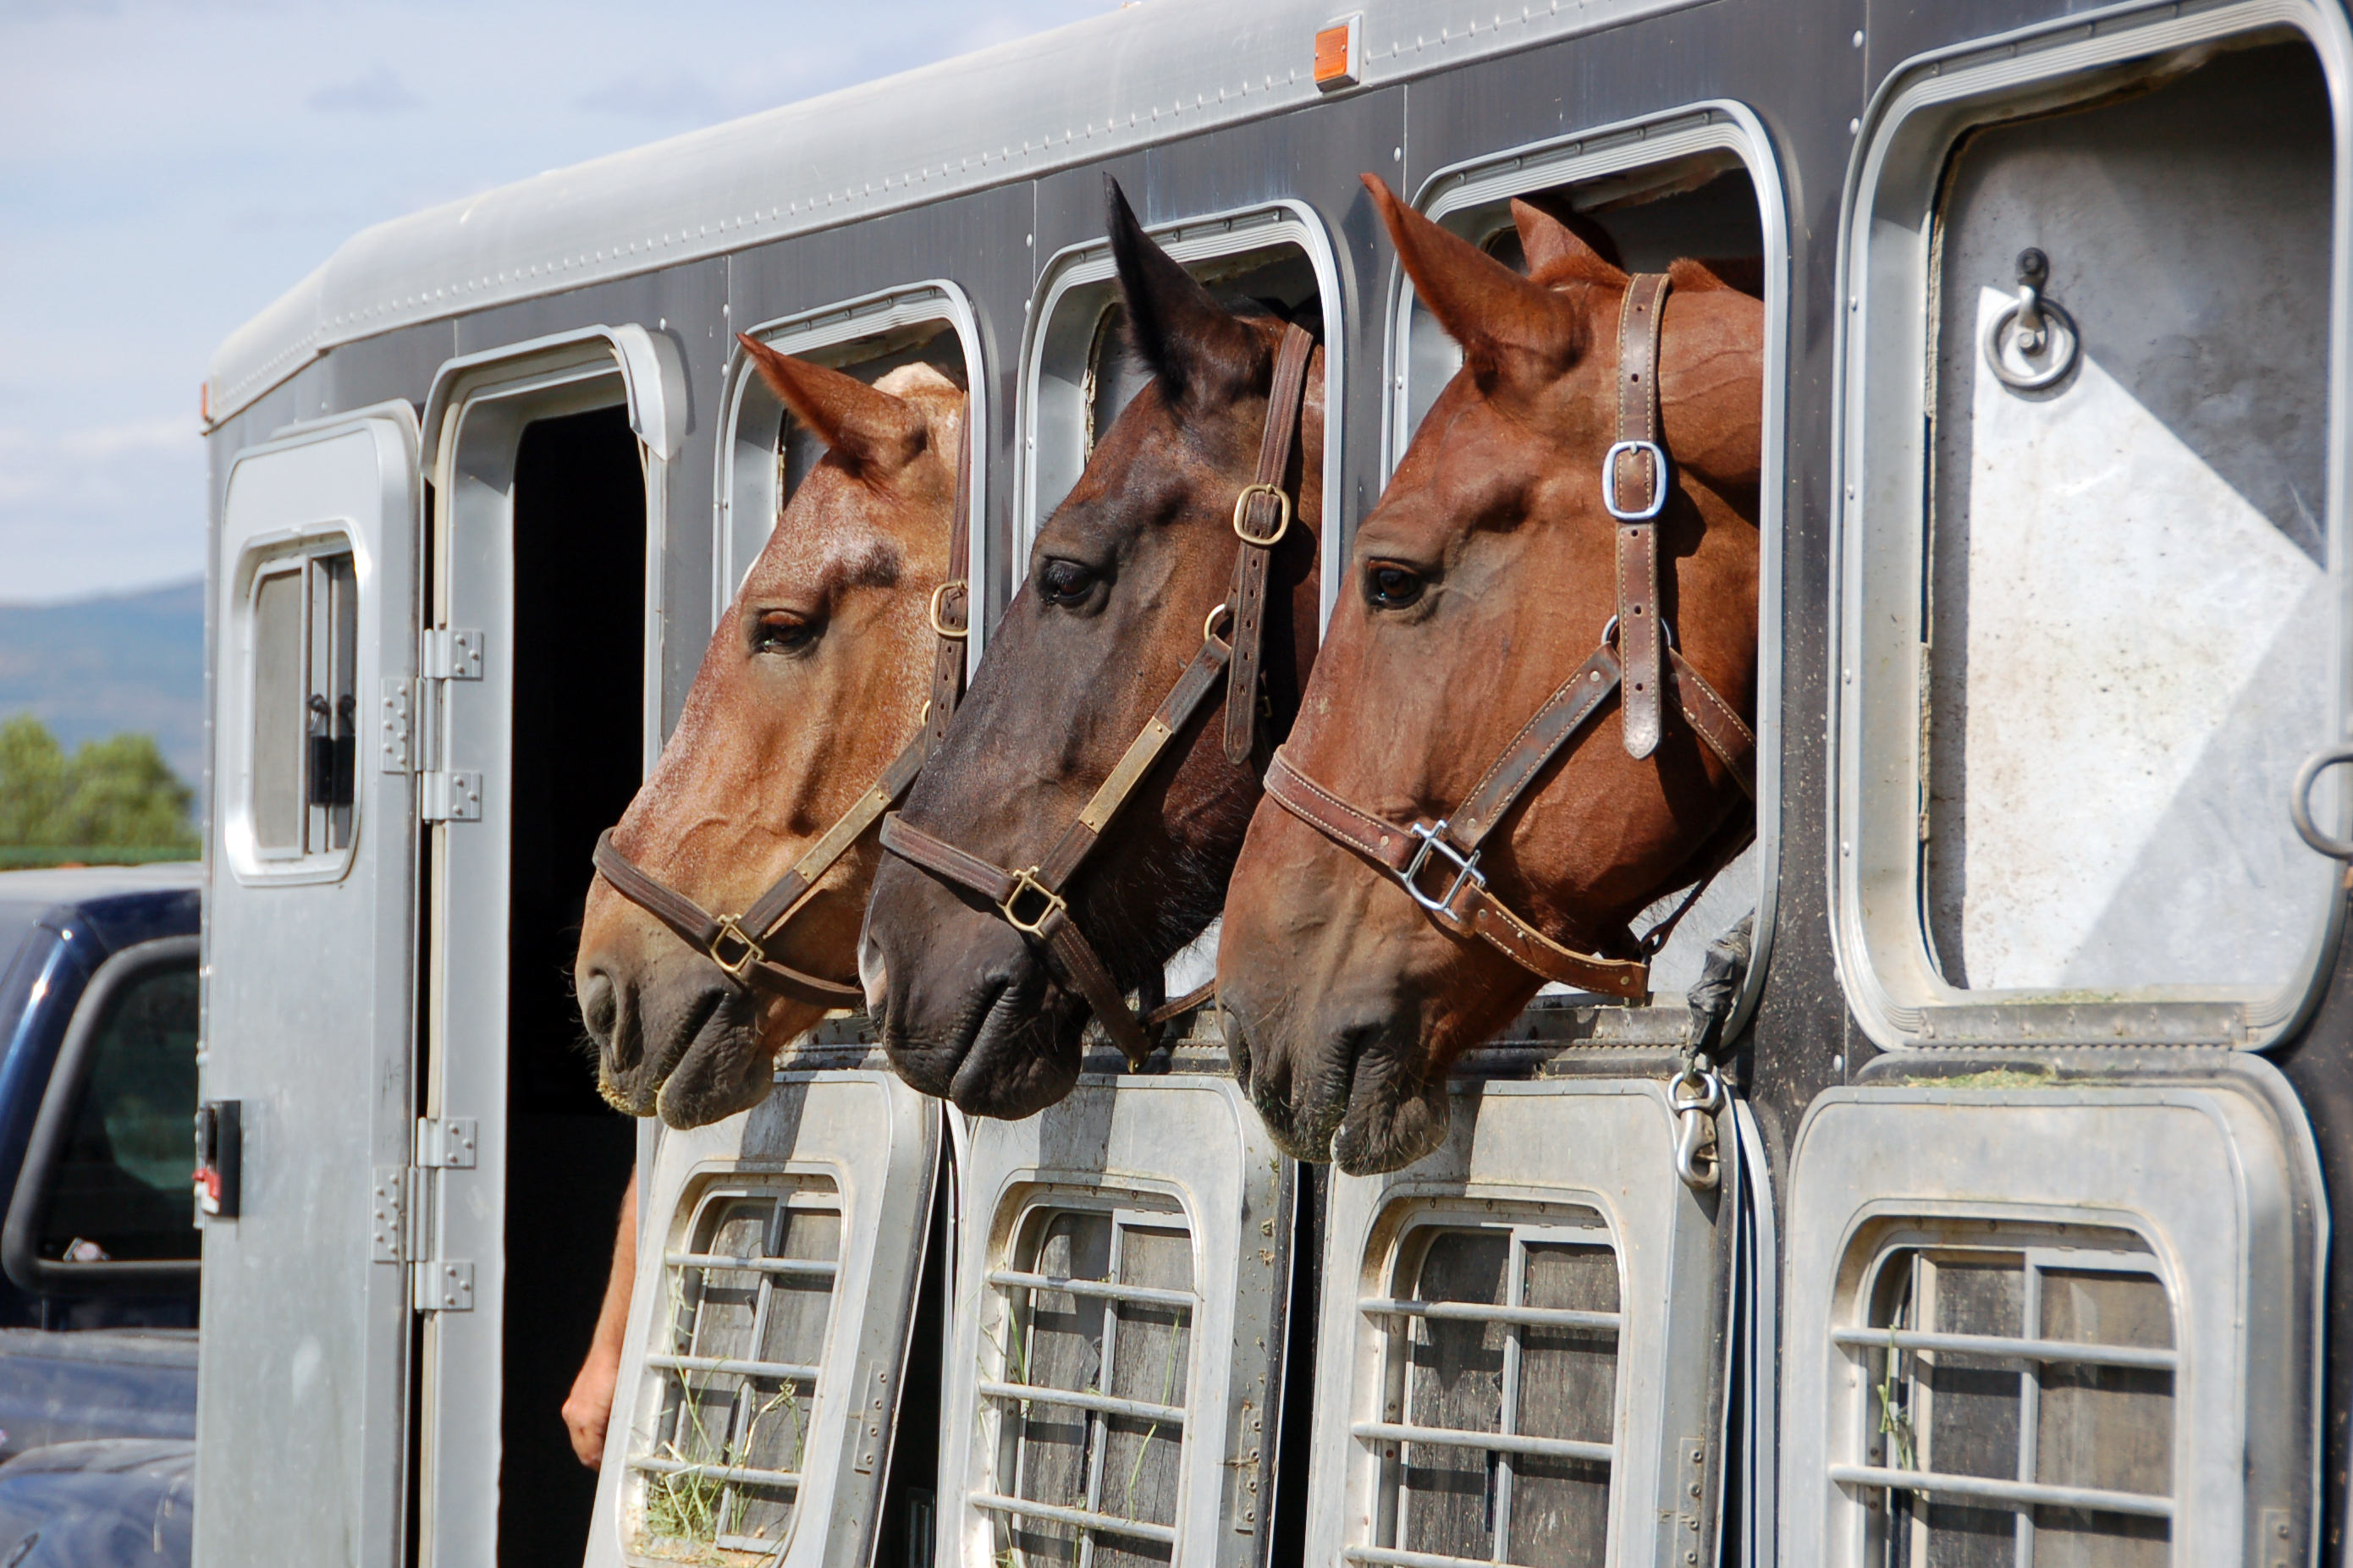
(116, 794)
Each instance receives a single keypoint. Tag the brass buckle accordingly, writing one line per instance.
(1283, 523)
(742, 966)
(941, 593)
(1027, 882)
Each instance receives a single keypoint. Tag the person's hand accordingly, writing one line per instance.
(589, 1405)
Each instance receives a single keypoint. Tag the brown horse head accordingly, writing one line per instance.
(813, 681)
(1481, 581)
(1122, 578)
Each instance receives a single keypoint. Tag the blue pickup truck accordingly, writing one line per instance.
(98, 1249)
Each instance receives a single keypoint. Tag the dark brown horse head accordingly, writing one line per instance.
(1483, 580)
(813, 681)
(1122, 578)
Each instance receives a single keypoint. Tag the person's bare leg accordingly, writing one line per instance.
(590, 1404)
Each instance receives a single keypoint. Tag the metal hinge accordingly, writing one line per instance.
(453, 655)
(445, 1285)
(445, 1145)
(396, 719)
(445, 797)
(869, 1420)
(388, 1215)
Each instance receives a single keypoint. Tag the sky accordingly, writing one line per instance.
(169, 167)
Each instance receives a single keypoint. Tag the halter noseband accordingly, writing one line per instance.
(1031, 900)
(1637, 658)
(739, 945)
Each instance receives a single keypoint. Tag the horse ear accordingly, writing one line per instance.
(1564, 246)
(1508, 325)
(872, 431)
(1195, 345)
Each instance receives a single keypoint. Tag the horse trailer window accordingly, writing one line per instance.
(1499, 1348)
(1699, 185)
(302, 643)
(749, 1305)
(2021, 1406)
(1097, 1324)
(2092, 625)
(2013, 1337)
(1079, 370)
(770, 452)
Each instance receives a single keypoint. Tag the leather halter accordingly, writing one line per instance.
(740, 944)
(1031, 900)
(1636, 659)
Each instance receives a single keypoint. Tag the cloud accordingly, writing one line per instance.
(672, 95)
(378, 92)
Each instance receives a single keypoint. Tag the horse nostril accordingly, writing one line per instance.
(598, 1004)
(874, 974)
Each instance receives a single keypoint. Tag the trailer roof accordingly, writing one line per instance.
(1132, 76)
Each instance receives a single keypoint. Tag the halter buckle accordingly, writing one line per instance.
(1465, 871)
(1282, 519)
(1027, 883)
(1658, 456)
(740, 966)
(940, 594)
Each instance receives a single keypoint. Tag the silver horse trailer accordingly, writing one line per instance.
(2007, 1241)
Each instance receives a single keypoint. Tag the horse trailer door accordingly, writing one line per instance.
(755, 1418)
(1519, 1345)
(310, 872)
(1108, 1377)
(550, 463)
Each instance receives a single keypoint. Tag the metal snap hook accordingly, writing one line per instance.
(1696, 1097)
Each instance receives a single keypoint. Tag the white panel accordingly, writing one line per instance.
(1606, 1146)
(874, 1141)
(308, 1022)
(2201, 1172)
(1182, 1140)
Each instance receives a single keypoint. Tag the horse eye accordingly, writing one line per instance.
(1391, 587)
(778, 631)
(1064, 582)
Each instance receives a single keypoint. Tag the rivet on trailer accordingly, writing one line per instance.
(1995, 1226)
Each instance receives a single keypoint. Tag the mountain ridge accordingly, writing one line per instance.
(97, 667)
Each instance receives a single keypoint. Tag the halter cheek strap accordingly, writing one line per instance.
(740, 944)
(1634, 486)
(1031, 900)
(1635, 660)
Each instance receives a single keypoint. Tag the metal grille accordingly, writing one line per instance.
(1500, 1360)
(1093, 1366)
(749, 1307)
(2021, 1409)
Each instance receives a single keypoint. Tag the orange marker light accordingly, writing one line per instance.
(1339, 52)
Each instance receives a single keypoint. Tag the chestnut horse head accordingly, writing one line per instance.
(814, 682)
(1122, 578)
(1478, 591)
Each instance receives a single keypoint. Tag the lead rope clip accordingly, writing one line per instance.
(1696, 1095)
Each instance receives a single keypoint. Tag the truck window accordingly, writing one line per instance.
(122, 1189)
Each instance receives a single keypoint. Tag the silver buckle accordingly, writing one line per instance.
(1658, 456)
(1464, 870)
